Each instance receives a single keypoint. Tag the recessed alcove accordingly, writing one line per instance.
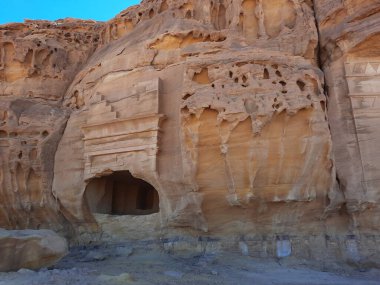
(121, 194)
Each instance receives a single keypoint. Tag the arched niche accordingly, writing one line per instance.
(121, 194)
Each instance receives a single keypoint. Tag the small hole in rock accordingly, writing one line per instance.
(323, 106)
(301, 85)
(187, 96)
(151, 13)
(277, 106)
(266, 73)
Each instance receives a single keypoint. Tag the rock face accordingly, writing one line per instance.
(30, 249)
(187, 118)
(205, 108)
(350, 58)
(38, 61)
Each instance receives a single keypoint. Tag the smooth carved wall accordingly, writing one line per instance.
(116, 139)
(349, 56)
(363, 79)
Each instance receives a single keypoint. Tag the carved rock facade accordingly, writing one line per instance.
(213, 116)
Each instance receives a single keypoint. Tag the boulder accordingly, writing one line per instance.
(32, 249)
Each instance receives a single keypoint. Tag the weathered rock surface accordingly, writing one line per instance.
(350, 57)
(218, 115)
(38, 60)
(31, 249)
(212, 117)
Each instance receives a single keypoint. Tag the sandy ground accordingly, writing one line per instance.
(123, 264)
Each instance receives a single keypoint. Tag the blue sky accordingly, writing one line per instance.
(100, 10)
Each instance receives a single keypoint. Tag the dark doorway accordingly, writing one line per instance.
(122, 194)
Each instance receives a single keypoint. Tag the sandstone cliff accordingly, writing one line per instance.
(247, 120)
(38, 61)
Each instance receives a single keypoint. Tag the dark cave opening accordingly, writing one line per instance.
(121, 194)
